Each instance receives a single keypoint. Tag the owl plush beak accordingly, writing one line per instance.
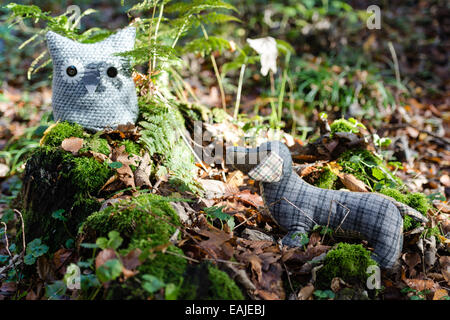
(91, 80)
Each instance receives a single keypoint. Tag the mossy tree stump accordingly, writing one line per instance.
(61, 200)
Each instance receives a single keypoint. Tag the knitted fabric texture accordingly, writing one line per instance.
(92, 86)
(298, 206)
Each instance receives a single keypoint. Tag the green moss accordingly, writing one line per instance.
(169, 268)
(434, 231)
(327, 179)
(89, 175)
(343, 125)
(146, 222)
(419, 202)
(409, 223)
(348, 262)
(206, 282)
(394, 193)
(222, 286)
(143, 221)
(61, 131)
(220, 115)
(95, 144)
(131, 147)
(415, 200)
(360, 164)
(55, 180)
(195, 112)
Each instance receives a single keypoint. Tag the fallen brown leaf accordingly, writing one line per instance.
(421, 285)
(103, 256)
(352, 183)
(411, 260)
(60, 260)
(444, 261)
(439, 294)
(72, 144)
(252, 199)
(306, 292)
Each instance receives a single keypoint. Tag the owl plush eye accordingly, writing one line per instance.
(72, 71)
(111, 69)
(111, 72)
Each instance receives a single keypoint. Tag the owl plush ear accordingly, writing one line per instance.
(122, 40)
(56, 43)
(269, 170)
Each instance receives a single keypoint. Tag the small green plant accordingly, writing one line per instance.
(417, 295)
(324, 294)
(34, 250)
(304, 239)
(113, 241)
(343, 125)
(217, 213)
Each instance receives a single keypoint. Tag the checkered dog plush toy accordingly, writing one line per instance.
(298, 206)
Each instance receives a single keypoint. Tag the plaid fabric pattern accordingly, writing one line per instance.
(269, 170)
(298, 206)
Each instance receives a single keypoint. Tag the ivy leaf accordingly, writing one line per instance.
(36, 249)
(377, 173)
(102, 243)
(216, 212)
(29, 259)
(171, 292)
(58, 215)
(55, 290)
(151, 283)
(90, 245)
(109, 271)
(324, 294)
(115, 165)
(3, 258)
(115, 240)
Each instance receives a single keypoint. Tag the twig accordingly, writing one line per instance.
(306, 215)
(328, 222)
(246, 219)
(239, 90)
(396, 66)
(192, 150)
(23, 231)
(289, 279)
(156, 31)
(216, 71)
(345, 216)
(6, 239)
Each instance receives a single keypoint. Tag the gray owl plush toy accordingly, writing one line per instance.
(92, 86)
(298, 206)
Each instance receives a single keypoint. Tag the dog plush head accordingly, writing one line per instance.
(269, 162)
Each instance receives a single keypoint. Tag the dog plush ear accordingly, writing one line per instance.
(269, 170)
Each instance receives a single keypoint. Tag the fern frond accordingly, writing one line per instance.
(144, 53)
(197, 6)
(217, 18)
(204, 46)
